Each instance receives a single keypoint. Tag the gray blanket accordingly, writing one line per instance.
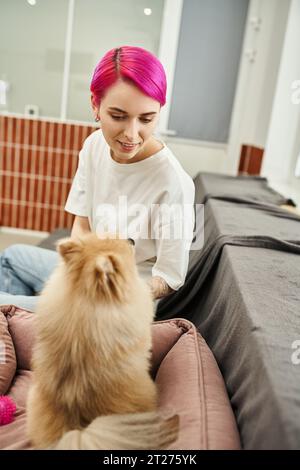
(255, 188)
(248, 313)
(186, 299)
(243, 293)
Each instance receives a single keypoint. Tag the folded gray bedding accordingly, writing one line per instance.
(227, 223)
(255, 188)
(243, 293)
(249, 314)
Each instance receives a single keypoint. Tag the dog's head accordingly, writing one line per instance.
(102, 267)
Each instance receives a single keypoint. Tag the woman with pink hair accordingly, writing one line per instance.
(127, 182)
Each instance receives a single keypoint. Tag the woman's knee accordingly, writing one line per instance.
(14, 252)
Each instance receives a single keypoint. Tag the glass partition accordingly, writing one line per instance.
(100, 25)
(32, 41)
(33, 35)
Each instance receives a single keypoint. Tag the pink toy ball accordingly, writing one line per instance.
(7, 410)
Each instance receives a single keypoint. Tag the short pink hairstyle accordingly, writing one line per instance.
(133, 64)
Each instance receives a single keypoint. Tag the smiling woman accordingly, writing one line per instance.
(127, 101)
(128, 130)
(127, 182)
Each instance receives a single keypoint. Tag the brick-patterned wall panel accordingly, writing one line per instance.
(38, 160)
(250, 160)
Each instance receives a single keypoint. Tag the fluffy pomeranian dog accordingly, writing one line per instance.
(92, 353)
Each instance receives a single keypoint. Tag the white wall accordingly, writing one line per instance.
(283, 142)
(264, 36)
(195, 157)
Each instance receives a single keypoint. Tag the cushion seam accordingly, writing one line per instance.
(202, 387)
(203, 408)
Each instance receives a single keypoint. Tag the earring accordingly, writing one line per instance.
(97, 119)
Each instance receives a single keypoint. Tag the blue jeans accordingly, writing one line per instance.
(24, 269)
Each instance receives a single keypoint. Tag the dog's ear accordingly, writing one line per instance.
(67, 247)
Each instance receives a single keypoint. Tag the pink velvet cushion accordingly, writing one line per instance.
(188, 379)
(7, 356)
(18, 333)
(190, 384)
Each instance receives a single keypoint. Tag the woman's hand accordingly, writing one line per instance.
(159, 288)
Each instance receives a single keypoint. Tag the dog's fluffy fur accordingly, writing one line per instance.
(92, 351)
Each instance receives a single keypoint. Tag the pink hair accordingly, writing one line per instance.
(133, 64)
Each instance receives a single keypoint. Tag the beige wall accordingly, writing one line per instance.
(257, 80)
(196, 156)
(283, 143)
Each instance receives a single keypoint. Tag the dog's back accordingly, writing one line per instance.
(92, 353)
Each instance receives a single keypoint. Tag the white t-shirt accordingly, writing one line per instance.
(150, 201)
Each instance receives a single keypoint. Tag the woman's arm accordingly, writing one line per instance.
(159, 287)
(80, 227)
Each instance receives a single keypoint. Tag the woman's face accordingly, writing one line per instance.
(128, 116)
